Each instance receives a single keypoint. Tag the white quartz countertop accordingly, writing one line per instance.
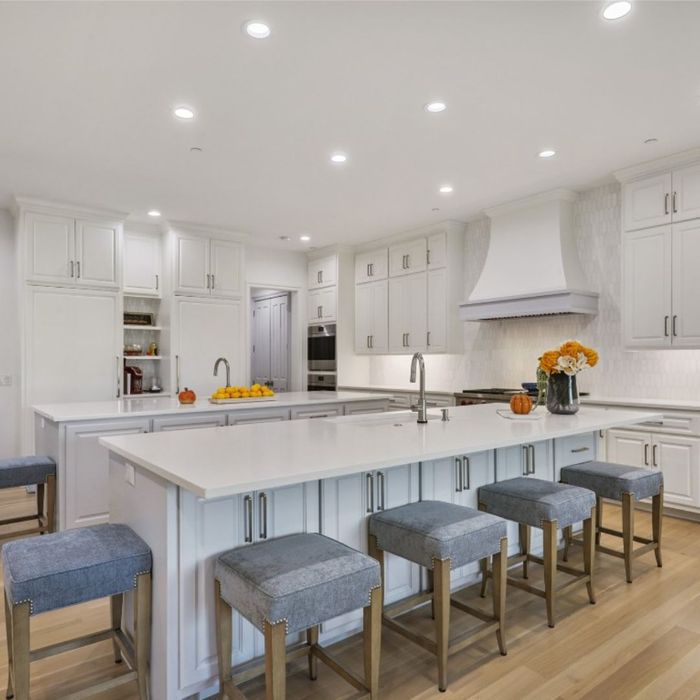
(157, 406)
(392, 389)
(652, 404)
(219, 462)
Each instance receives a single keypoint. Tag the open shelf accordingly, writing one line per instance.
(147, 395)
(142, 357)
(128, 327)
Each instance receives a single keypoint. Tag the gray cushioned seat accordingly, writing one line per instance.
(612, 480)
(428, 530)
(531, 501)
(72, 566)
(303, 579)
(25, 471)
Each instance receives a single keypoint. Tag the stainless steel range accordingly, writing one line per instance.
(469, 397)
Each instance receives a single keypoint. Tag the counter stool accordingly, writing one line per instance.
(290, 584)
(544, 504)
(628, 485)
(442, 536)
(27, 471)
(69, 567)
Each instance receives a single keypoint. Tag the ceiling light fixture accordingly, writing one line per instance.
(651, 140)
(284, 238)
(338, 158)
(446, 189)
(305, 238)
(154, 213)
(617, 9)
(257, 29)
(196, 149)
(183, 113)
(547, 153)
(435, 107)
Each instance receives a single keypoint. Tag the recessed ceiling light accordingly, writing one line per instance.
(651, 140)
(154, 213)
(547, 153)
(183, 113)
(435, 107)
(446, 189)
(304, 238)
(617, 9)
(436, 208)
(196, 149)
(338, 158)
(257, 29)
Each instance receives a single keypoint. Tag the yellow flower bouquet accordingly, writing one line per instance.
(561, 367)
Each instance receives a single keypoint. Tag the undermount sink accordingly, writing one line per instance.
(397, 418)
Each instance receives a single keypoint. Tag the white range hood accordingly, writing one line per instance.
(532, 267)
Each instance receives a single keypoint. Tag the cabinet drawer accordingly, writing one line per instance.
(322, 411)
(401, 402)
(574, 449)
(677, 423)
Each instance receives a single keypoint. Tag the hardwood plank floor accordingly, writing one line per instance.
(639, 641)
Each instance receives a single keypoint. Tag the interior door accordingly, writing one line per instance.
(261, 341)
(279, 342)
(226, 268)
(50, 248)
(97, 250)
(685, 325)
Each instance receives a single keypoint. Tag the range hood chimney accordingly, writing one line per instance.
(531, 268)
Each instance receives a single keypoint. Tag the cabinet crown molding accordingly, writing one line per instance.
(45, 206)
(650, 167)
(206, 231)
(444, 226)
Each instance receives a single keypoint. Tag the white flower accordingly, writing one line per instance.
(582, 362)
(567, 364)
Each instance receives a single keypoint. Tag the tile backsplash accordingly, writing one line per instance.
(504, 353)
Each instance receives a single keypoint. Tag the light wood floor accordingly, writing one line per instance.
(639, 641)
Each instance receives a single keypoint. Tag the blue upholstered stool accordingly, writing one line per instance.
(443, 536)
(292, 584)
(74, 566)
(619, 482)
(547, 505)
(27, 471)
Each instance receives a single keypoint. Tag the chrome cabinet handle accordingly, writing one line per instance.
(408, 261)
(208, 281)
(654, 463)
(381, 491)
(674, 207)
(666, 326)
(371, 269)
(459, 485)
(533, 460)
(213, 282)
(674, 329)
(369, 274)
(601, 433)
(157, 282)
(367, 342)
(408, 341)
(72, 271)
(263, 515)
(526, 462)
(371, 342)
(646, 454)
(427, 340)
(77, 269)
(369, 485)
(466, 473)
(427, 257)
(248, 518)
(119, 378)
(177, 373)
(666, 203)
(582, 449)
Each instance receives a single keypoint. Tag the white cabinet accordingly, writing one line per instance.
(142, 264)
(371, 317)
(371, 266)
(361, 407)
(532, 459)
(685, 324)
(87, 470)
(686, 193)
(318, 411)
(574, 449)
(408, 257)
(208, 266)
(647, 202)
(264, 415)
(322, 305)
(167, 424)
(627, 447)
(408, 324)
(204, 330)
(323, 272)
(77, 252)
(437, 251)
(436, 339)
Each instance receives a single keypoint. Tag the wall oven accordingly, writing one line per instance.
(321, 381)
(321, 348)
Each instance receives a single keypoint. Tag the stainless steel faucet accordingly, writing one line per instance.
(228, 369)
(422, 409)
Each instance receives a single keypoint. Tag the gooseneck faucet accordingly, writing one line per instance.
(422, 409)
(228, 369)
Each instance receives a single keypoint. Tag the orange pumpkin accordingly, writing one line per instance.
(187, 396)
(521, 403)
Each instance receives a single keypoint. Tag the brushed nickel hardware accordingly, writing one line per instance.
(208, 281)
(674, 207)
(458, 474)
(445, 414)
(71, 268)
(381, 490)
(417, 362)
(213, 282)
(428, 339)
(371, 342)
(119, 378)
(466, 473)
(666, 203)
(248, 518)
(369, 274)
(227, 365)
(533, 461)
(427, 258)
(666, 326)
(646, 454)
(601, 433)
(368, 342)
(674, 329)
(157, 282)
(177, 374)
(654, 463)
(369, 485)
(526, 460)
(653, 422)
(263, 515)
(408, 261)
(580, 449)
(77, 269)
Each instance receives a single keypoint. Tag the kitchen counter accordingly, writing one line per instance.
(653, 404)
(413, 389)
(156, 406)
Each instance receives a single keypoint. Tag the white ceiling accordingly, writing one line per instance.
(87, 89)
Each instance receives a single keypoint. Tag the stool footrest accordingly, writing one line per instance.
(256, 667)
(468, 638)
(618, 533)
(354, 680)
(474, 612)
(102, 687)
(649, 546)
(407, 604)
(70, 644)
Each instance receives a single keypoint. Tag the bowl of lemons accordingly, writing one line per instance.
(230, 394)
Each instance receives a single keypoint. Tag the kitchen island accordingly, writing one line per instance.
(193, 495)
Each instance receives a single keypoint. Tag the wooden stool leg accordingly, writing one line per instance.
(378, 554)
(589, 552)
(484, 565)
(441, 574)
(51, 502)
(524, 534)
(40, 515)
(431, 588)
(312, 640)
(372, 638)
(19, 616)
(224, 635)
(568, 536)
(549, 531)
(628, 532)
(657, 513)
(275, 661)
(116, 603)
(142, 634)
(500, 575)
(598, 518)
(8, 631)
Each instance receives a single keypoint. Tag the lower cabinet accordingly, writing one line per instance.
(262, 415)
(321, 411)
(208, 528)
(188, 422)
(345, 504)
(352, 409)
(86, 481)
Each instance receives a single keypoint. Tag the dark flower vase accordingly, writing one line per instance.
(562, 394)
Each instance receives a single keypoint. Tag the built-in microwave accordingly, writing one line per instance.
(321, 348)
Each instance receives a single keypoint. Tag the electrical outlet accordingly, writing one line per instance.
(6, 380)
(129, 474)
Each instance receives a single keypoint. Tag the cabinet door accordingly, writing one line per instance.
(188, 422)
(364, 300)
(686, 193)
(647, 202)
(627, 447)
(685, 325)
(408, 313)
(417, 312)
(647, 288)
(437, 311)
(371, 266)
(322, 272)
(406, 258)
(97, 254)
(379, 315)
(437, 251)
(314, 306)
(141, 264)
(327, 299)
(399, 314)
(192, 274)
(87, 470)
(50, 248)
(679, 460)
(226, 268)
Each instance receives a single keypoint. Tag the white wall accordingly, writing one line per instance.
(504, 353)
(9, 339)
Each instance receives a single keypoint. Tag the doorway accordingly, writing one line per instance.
(270, 351)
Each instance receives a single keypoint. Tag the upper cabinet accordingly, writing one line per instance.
(408, 257)
(77, 252)
(372, 266)
(437, 251)
(686, 193)
(322, 305)
(142, 264)
(208, 266)
(323, 289)
(323, 272)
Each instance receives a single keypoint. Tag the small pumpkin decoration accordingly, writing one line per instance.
(187, 396)
(521, 404)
